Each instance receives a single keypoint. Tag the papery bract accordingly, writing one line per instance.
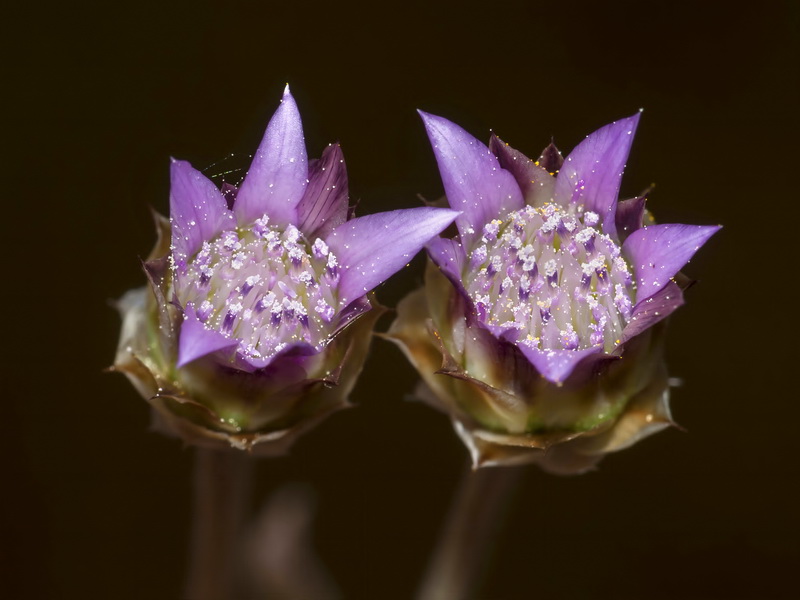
(540, 327)
(259, 313)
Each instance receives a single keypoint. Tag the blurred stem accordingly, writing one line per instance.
(222, 481)
(468, 537)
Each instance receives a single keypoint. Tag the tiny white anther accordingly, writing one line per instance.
(584, 235)
(237, 262)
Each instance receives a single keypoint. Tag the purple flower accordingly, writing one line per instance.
(547, 332)
(261, 315)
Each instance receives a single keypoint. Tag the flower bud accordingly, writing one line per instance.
(540, 327)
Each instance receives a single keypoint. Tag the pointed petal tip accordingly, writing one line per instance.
(427, 119)
(288, 98)
(556, 365)
(706, 232)
(278, 173)
(658, 252)
(635, 116)
(431, 121)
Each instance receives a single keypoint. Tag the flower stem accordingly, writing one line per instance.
(221, 491)
(475, 517)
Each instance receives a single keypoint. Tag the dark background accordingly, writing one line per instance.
(95, 506)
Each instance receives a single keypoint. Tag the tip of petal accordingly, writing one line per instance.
(287, 92)
(556, 365)
(195, 341)
(632, 121)
(427, 119)
(431, 120)
(634, 118)
(658, 252)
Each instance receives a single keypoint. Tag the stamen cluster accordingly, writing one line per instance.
(551, 279)
(265, 287)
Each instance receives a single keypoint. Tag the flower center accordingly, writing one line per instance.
(553, 276)
(265, 287)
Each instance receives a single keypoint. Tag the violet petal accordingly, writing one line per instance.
(229, 191)
(593, 170)
(351, 312)
(474, 181)
(629, 216)
(655, 308)
(197, 207)
(555, 365)
(250, 364)
(276, 180)
(449, 256)
(534, 181)
(550, 159)
(657, 252)
(196, 340)
(324, 205)
(370, 249)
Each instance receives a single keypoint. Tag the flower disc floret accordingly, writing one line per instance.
(551, 279)
(264, 287)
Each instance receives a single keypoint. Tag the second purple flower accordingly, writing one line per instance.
(545, 343)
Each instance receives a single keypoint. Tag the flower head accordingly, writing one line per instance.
(260, 313)
(547, 332)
